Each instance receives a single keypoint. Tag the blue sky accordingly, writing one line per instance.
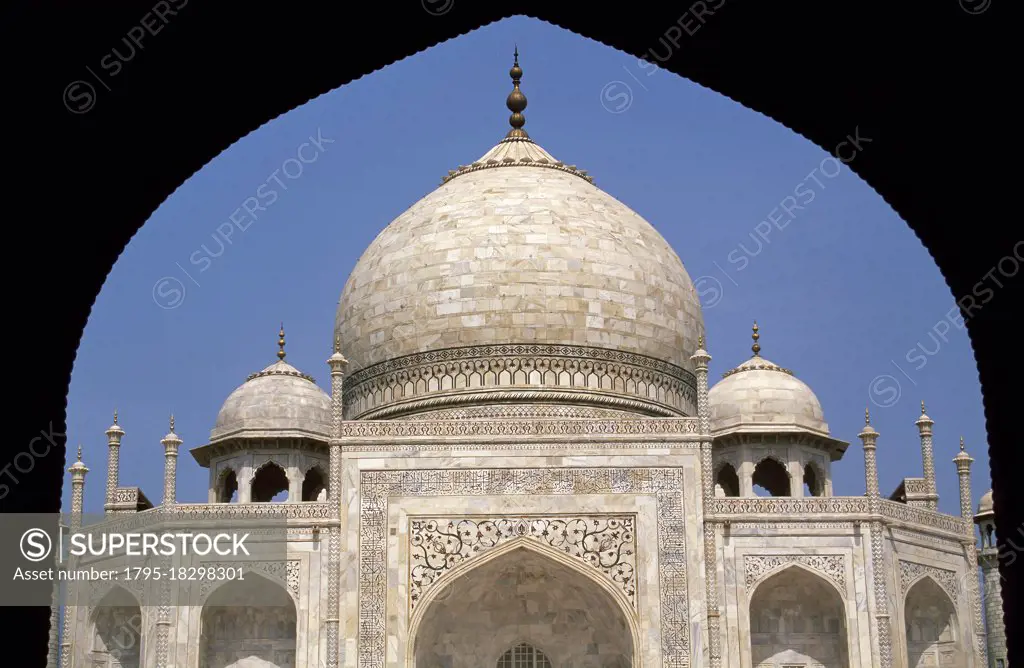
(844, 293)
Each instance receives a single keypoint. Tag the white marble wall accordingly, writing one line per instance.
(751, 553)
(402, 623)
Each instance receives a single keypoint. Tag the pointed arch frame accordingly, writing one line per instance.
(752, 589)
(147, 616)
(521, 542)
(964, 636)
(850, 647)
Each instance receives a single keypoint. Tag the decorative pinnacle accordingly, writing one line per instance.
(516, 101)
(337, 343)
(867, 417)
(172, 423)
(700, 341)
(79, 452)
(922, 407)
(961, 444)
(280, 342)
(115, 416)
(756, 347)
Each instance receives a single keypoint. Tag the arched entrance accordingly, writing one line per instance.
(930, 621)
(797, 619)
(116, 632)
(523, 604)
(248, 623)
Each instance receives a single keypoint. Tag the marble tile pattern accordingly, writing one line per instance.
(280, 398)
(759, 392)
(520, 254)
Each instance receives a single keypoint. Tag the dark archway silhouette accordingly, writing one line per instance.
(270, 483)
(728, 480)
(771, 477)
(866, 81)
(227, 487)
(814, 482)
(314, 483)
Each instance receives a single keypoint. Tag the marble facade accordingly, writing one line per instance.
(524, 465)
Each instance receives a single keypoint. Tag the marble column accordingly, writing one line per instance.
(883, 629)
(171, 442)
(924, 426)
(77, 471)
(700, 359)
(114, 435)
(337, 364)
(963, 463)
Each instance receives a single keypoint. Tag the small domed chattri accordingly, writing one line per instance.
(516, 102)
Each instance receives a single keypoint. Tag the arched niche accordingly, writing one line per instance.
(521, 595)
(930, 623)
(269, 483)
(814, 480)
(247, 622)
(314, 484)
(797, 618)
(727, 480)
(116, 631)
(227, 486)
(771, 476)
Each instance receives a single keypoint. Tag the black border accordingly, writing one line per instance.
(928, 83)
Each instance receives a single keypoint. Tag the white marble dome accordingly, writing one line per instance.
(986, 504)
(279, 401)
(760, 393)
(514, 262)
(522, 254)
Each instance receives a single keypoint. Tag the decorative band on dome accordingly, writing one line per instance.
(280, 372)
(521, 162)
(757, 364)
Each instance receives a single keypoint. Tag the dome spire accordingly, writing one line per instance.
(280, 342)
(516, 101)
(756, 347)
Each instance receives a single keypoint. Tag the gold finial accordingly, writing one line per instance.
(337, 343)
(115, 416)
(79, 452)
(700, 341)
(756, 347)
(280, 342)
(867, 417)
(172, 423)
(922, 407)
(961, 444)
(516, 101)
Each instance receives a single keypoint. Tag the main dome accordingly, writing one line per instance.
(518, 273)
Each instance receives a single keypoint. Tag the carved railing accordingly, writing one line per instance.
(928, 518)
(251, 511)
(198, 512)
(856, 507)
(777, 506)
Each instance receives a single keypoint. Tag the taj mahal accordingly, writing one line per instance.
(520, 462)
